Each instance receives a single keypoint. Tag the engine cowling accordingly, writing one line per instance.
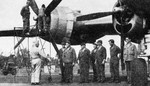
(61, 24)
(125, 21)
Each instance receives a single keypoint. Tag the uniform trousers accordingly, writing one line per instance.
(114, 69)
(68, 72)
(36, 70)
(26, 25)
(100, 71)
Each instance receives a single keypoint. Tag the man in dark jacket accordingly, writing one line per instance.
(25, 13)
(100, 61)
(114, 61)
(69, 60)
(84, 61)
(92, 59)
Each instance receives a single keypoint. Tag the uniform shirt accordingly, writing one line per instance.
(84, 55)
(114, 51)
(93, 52)
(130, 52)
(69, 55)
(61, 53)
(36, 53)
(100, 54)
(25, 12)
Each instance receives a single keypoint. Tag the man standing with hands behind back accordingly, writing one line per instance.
(100, 61)
(114, 61)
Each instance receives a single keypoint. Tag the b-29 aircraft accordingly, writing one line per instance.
(129, 18)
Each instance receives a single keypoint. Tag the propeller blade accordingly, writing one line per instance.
(93, 16)
(51, 6)
(34, 6)
(19, 42)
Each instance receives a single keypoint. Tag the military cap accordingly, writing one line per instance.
(111, 40)
(99, 41)
(63, 43)
(68, 41)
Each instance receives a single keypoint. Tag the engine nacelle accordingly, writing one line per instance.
(127, 22)
(61, 24)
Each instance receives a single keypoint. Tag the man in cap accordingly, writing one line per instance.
(114, 61)
(41, 18)
(69, 60)
(25, 13)
(100, 61)
(61, 61)
(36, 55)
(92, 59)
(130, 53)
(84, 63)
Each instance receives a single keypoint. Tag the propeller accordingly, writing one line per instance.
(34, 6)
(48, 10)
(51, 7)
(95, 15)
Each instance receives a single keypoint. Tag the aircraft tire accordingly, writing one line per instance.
(5, 72)
(13, 72)
(139, 72)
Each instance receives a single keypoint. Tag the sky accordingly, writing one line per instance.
(10, 17)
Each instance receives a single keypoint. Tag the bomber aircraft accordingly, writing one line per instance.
(129, 18)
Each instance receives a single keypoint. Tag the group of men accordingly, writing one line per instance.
(42, 20)
(97, 59)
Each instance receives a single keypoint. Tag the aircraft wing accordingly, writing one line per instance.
(93, 30)
(13, 32)
(18, 31)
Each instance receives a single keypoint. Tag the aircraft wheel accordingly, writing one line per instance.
(5, 72)
(13, 72)
(139, 72)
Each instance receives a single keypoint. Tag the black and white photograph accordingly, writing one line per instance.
(75, 43)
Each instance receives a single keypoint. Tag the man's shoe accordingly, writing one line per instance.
(99, 81)
(94, 80)
(62, 81)
(129, 82)
(81, 82)
(103, 80)
(116, 81)
(32, 83)
(37, 83)
(112, 80)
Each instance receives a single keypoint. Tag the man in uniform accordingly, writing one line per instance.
(69, 60)
(25, 13)
(84, 63)
(92, 59)
(61, 61)
(41, 18)
(130, 52)
(36, 55)
(100, 61)
(114, 61)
